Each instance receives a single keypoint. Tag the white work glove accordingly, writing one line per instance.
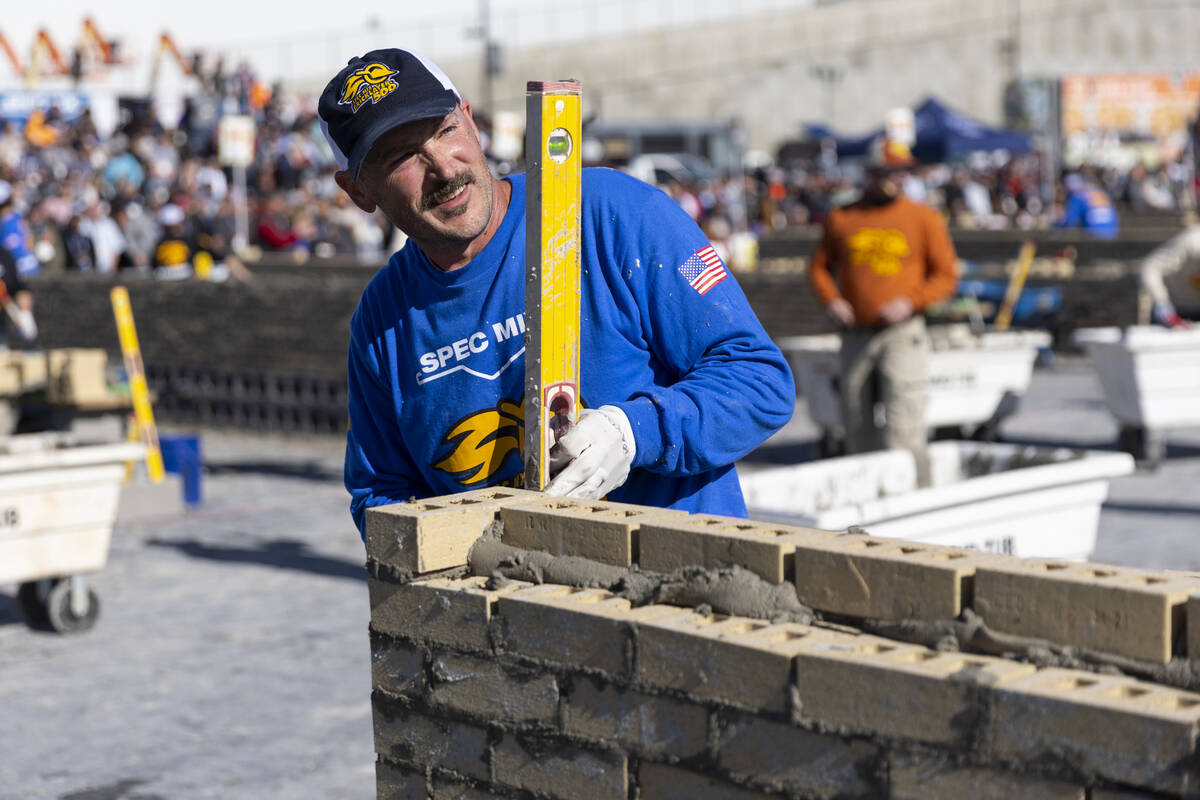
(594, 456)
(23, 321)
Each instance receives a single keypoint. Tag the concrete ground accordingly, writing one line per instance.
(231, 657)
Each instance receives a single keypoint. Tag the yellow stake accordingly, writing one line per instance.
(137, 381)
(552, 220)
(1015, 284)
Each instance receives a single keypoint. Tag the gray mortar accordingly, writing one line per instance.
(730, 590)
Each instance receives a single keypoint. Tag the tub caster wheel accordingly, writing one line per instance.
(31, 602)
(72, 606)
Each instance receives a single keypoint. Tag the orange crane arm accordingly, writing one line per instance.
(45, 42)
(13, 58)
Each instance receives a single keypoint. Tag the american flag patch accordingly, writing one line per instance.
(703, 270)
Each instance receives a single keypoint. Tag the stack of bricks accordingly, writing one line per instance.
(515, 690)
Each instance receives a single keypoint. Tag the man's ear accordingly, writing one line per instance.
(354, 191)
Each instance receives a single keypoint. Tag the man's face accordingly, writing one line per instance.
(431, 179)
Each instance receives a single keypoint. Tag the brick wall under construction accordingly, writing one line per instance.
(528, 646)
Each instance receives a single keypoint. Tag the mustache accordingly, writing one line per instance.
(446, 190)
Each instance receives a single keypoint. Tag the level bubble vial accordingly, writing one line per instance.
(558, 145)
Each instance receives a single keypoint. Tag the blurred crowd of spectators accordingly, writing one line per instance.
(151, 198)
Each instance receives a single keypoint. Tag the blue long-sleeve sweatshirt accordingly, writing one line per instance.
(436, 364)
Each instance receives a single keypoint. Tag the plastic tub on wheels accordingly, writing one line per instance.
(1151, 382)
(58, 503)
(1024, 501)
(975, 380)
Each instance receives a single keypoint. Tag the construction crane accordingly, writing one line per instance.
(13, 58)
(167, 46)
(43, 45)
(102, 48)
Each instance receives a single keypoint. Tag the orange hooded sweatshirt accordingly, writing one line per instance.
(873, 254)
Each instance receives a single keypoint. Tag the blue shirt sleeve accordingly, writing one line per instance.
(378, 469)
(728, 387)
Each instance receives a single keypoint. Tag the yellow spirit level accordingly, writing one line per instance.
(552, 219)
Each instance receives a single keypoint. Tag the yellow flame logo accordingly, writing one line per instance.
(373, 82)
(482, 442)
(881, 250)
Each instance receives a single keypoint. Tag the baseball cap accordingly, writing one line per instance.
(377, 92)
(892, 154)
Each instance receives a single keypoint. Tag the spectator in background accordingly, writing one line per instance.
(108, 242)
(81, 254)
(140, 232)
(14, 233)
(1087, 206)
(173, 253)
(47, 240)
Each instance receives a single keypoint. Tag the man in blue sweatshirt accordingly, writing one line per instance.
(679, 378)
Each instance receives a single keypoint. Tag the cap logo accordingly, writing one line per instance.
(373, 82)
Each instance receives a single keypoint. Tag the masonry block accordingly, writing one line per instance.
(1130, 612)
(558, 769)
(596, 529)
(647, 725)
(487, 690)
(587, 629)
(795, 760)
(395, 782)
(883, 687)
(712, 541)
(864, 576)
(437, 533)
(735, 660)
(1133, 732)
(932, 778)
(454, 612)
(663, 782)
(412, 737)
(1193, 626)
(446, 789)
(397, 667)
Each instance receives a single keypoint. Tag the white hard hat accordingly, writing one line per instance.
(170, 214)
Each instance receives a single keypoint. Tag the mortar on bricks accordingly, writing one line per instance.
(647, 683)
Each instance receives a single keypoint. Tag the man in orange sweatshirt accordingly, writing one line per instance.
(882, 260)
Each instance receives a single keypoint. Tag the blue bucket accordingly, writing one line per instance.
(181, 455)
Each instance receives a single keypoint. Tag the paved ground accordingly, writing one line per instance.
(231, 659)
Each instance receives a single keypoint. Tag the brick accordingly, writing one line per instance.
(798, 761)
(663, 782)
(412, 737)
(864, 576)
(735, 660)
(436, 533)
(395, 782)
(1193, 626)
(595, 529)
(488, 690)
(936, 779)
(714, 542)
(647, 725)
(454, 612)
(558, 769)
(1130, 612)
(446, 789)
(883, 687)
(1122, 729)
(397, 667)
(588, 629)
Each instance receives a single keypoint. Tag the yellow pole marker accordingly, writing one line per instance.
(1015, 284)
(137, 381)
(552, 219)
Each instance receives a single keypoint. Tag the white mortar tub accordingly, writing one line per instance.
(973, 378)
(1025, 501)
(1150, 375)
(58, 503)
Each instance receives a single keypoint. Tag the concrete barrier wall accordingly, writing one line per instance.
(499, 687)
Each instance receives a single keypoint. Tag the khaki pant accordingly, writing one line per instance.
(883, 389)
